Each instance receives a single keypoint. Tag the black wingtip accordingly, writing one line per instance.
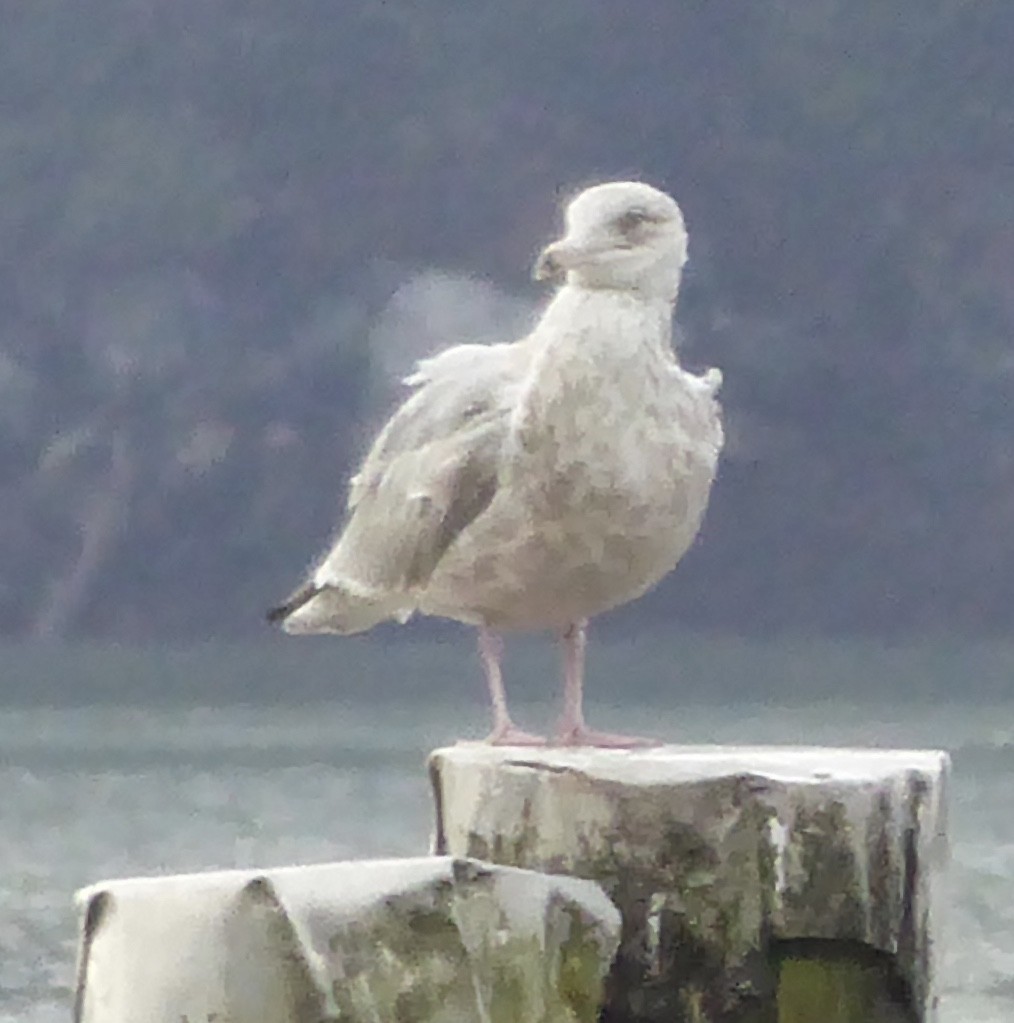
(294, 603)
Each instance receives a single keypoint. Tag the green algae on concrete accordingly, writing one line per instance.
(840, 982)
(811, 990)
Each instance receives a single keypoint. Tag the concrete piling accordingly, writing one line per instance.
(430, 940)
(669, 885)
(765, 884)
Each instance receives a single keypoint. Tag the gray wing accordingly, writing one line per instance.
(432, 470)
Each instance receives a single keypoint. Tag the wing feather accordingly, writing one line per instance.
(432, 470)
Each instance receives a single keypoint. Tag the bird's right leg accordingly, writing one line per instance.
(505, 732)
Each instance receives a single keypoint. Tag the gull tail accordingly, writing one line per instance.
(294, 603)
(316, 609)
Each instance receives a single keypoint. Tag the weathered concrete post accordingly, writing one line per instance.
(432, 940)
(755, 884)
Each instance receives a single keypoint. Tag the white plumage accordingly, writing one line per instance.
(533, 485)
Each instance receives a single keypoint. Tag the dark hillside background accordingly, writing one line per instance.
(226, 227)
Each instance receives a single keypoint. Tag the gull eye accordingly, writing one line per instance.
(632, 219)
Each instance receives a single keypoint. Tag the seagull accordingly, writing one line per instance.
(536, 484)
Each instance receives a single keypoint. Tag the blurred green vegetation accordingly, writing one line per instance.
(206, 209)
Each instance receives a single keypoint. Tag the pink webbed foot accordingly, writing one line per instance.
(584, 736)
(510, 735)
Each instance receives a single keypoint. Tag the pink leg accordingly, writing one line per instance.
(505, 732)
(572, 730)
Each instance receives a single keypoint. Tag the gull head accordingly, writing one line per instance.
(622, 235)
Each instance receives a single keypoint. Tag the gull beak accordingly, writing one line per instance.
(554, 262)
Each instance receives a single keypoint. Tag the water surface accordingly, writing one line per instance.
(140, 775)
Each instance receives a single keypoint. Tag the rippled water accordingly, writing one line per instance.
(108, 790)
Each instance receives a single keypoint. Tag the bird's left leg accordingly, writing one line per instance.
(572, 730)
(505, 732)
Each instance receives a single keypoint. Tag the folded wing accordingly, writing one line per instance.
(432, 471)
